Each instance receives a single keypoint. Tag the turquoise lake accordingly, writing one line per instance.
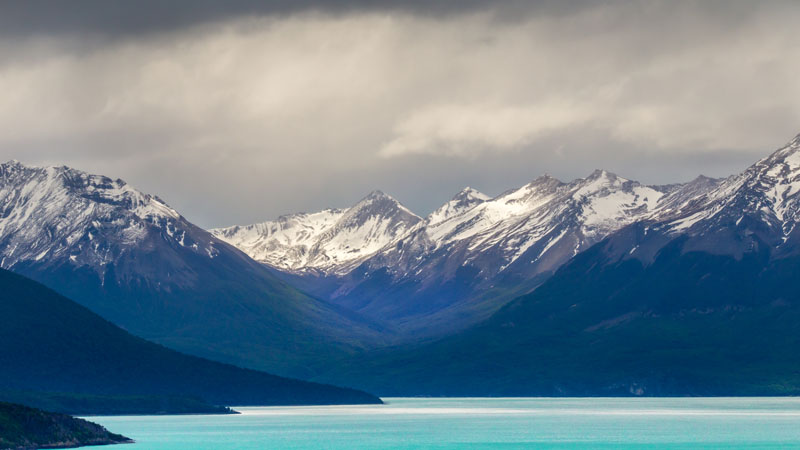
(462, 423)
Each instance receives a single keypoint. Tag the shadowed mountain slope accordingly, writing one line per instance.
(51, 344)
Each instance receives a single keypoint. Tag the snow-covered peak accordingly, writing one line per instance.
(520, 200)
(600, 174)
(469, 194)
(544, 180)
(60, 214)
(702, 179)
(96, 188)
(487, 214)
(681, 197)
(597, 181)
(789, 155)
(461, 202)
(537, 226)
(11, 165)
(378, 203)
(795, 142)
(329, 241)
(284, 242)
(767, 193)
(773, 184)
(515, 221)
(377, 194)
(608, 201)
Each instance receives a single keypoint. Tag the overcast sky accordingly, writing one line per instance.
(240, 111)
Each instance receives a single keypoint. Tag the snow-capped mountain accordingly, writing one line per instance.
(463, 267)
(757, 209)
(333, 241)
(465, 200)
(58, 215)
(542, 219)
(284, 243)
(472, 254)
(137, 262)
(766, 191)
(470, 245)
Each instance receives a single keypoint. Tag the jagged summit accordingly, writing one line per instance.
(332, 240)
(377, 194)
(545, 179)
(64, 215)
(513, 222)
(469, 192)
(703, 179)
(377, 202)
(11, 163)
(466, 199)
(764, 197)
(600, 173)
(790, 152)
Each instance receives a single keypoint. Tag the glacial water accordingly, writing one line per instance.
(460, 423)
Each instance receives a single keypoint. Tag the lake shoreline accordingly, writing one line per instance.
(492, 423)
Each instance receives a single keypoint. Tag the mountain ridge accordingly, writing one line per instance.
(465, 260)
(463, 252)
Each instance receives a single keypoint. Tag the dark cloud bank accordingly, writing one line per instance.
(240, 111)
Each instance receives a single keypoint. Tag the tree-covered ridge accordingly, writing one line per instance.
(22, 427)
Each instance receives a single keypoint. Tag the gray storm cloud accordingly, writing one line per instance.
(240, 115)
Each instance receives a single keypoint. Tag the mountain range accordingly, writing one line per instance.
(524, 293)
(439, 274)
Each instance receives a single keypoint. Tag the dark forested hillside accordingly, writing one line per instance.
(28, 428)
(51, 344)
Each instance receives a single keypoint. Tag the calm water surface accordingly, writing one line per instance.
(512, 423)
